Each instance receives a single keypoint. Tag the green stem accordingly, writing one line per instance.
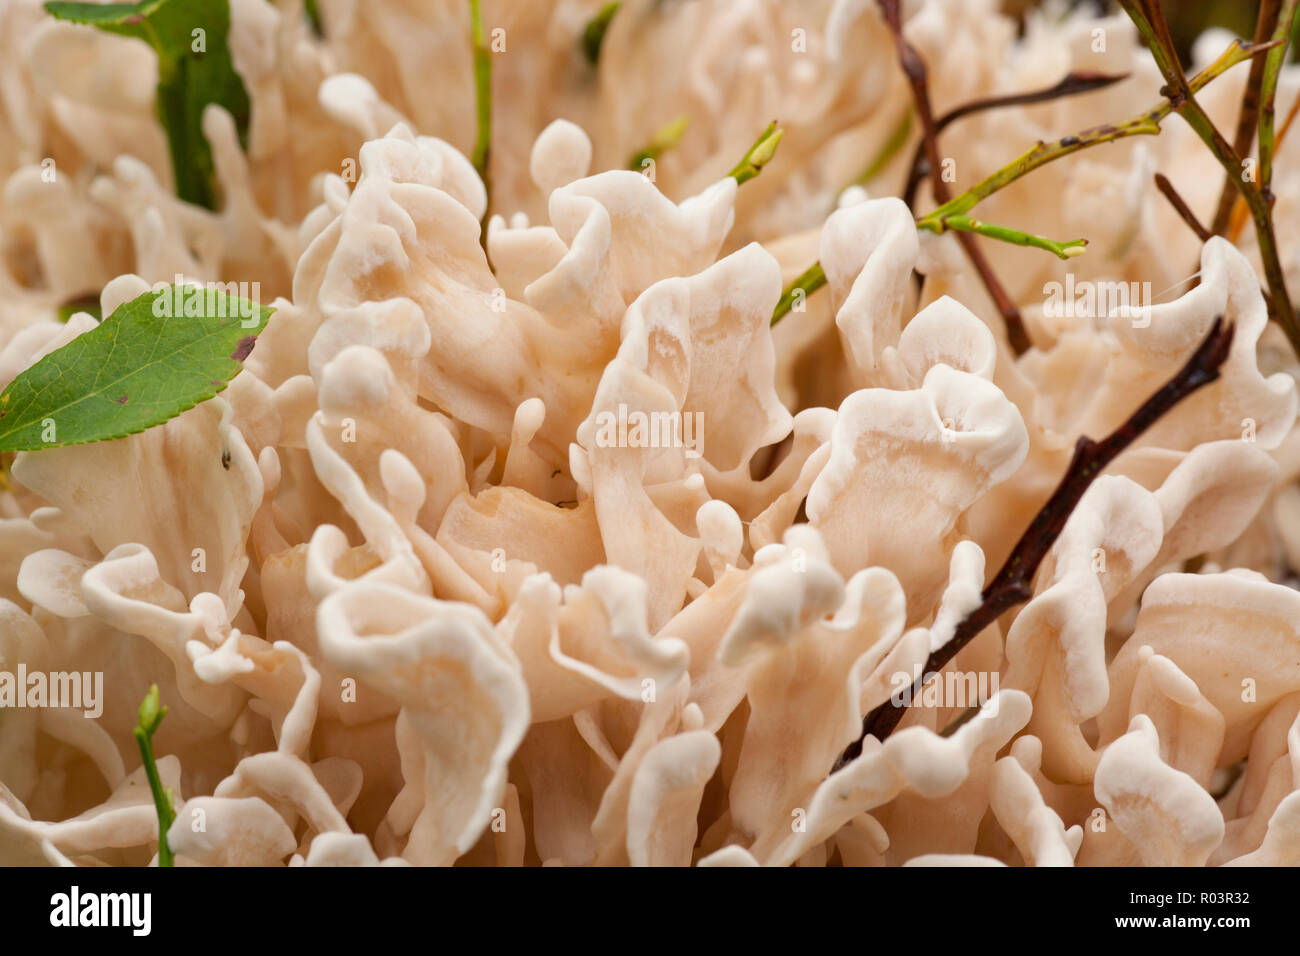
(808, 283)
(1247, 116)
(1062, 250)
(594, 34)
(1146, 123)
(759, 155)
(150, 717)
(1268, 94)
(482, 89)
(665, 139)
(313, 17)
(893, 145)
(814, 277)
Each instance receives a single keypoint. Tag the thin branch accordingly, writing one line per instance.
(1180, 206)
(1013, 583)
(914, 69)
(1240, 214)
(1149, 18)
(1268, 96)
(1146, 123)
(1248, 118)
(1072, 84)
(1017, 337)
(1016, 237)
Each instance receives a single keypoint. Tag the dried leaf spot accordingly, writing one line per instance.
(244, 347)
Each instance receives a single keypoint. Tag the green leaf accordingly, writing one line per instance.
(188, 78)
(152, 359)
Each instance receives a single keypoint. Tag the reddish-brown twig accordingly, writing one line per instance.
(1013, 583)
(1180, 206)
(914, 69)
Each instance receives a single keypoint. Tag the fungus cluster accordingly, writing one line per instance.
(407, 602)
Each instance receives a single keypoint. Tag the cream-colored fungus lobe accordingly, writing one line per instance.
(524, 538)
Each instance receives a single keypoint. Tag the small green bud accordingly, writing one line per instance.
(151, 714)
